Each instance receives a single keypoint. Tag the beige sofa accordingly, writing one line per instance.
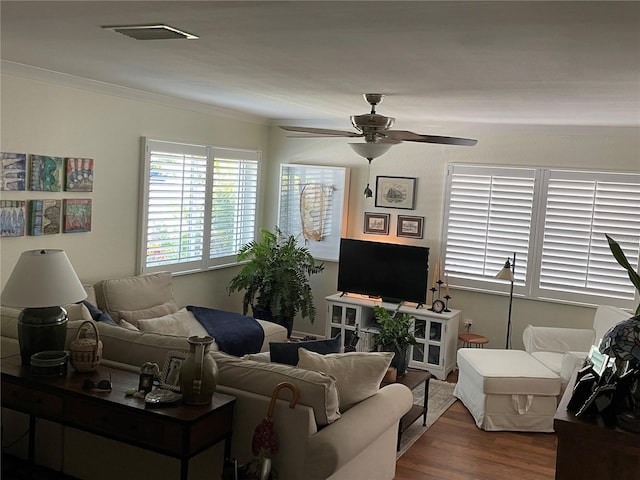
(320, 438)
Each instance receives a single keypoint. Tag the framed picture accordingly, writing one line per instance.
(13, 171)
(78, 174)
(45, 173)
(170, 376)
(77, 215)
(409, 226)
(396, 192)
(377, 223)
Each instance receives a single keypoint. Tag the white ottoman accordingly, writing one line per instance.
(507, 390)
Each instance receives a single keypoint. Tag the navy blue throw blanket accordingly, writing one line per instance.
(234, 333)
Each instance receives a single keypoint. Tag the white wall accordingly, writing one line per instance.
(583, 148)
(45, 118)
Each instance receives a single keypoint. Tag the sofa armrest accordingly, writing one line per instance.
(338, 443)
(557, 339)
(570, 362)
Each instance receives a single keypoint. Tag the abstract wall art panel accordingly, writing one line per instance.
(77, 215)
(79, 175)
(45, 173)
(44, 217)
(12, 218)
(13, 171)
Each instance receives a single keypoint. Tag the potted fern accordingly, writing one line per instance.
(275, 278)
(394, 335)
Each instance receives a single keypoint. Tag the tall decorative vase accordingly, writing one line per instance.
(198, 372)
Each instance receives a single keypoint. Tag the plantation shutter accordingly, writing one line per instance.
(488, 217)
(576, 259)
(176, 198)
(234, 199)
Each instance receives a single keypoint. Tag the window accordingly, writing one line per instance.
(199, 206)
(554, 220)
(312, 206)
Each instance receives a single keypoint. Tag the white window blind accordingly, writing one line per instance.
(580, 208)
(199, 205)
(488, 218)
(312, 206)
(554, 220)
(234, 199)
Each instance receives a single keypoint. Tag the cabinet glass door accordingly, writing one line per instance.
(433, 356)
(435, 332)
(336, 315)
(350, 316)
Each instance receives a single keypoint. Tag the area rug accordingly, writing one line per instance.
(440, 399)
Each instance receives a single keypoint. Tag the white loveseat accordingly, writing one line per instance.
(318, 438)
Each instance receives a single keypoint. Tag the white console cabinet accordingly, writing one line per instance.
(436, 333)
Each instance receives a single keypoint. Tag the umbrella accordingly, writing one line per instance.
(265, 438)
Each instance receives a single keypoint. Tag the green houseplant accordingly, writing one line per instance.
(622, 260)
(275, 278)
(394, 336)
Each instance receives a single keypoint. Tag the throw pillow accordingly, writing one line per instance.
(97, 314)
(124, 324)
(173, 324)
(154, 312)
(287, 352)
(358, 374)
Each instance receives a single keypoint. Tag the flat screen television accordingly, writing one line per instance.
(396, 273)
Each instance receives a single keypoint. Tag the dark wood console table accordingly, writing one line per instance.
(412, 379)
(589, 449)
(179, 431)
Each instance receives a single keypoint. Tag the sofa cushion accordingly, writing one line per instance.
(181, 323)
(287, 352)
(139, 297)
(358, 374)
(315, 389)
(135, 348)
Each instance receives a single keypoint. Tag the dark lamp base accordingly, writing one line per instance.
(41, 329)
(629, 421)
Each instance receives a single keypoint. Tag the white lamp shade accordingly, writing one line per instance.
(505, 274)
(371, 150)
(43, 278)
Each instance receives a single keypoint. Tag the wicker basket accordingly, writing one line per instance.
(86, 352)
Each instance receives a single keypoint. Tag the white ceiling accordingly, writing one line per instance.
(549, 63)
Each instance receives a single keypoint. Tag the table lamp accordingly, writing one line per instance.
(508, 272)
(41, 281)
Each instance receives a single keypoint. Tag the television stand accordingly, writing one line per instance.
(436, 333)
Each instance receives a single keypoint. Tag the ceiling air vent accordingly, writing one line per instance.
(150, 32)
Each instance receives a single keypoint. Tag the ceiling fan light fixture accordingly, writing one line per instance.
(371, 150)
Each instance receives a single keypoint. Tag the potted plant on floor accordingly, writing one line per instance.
(275, 279)
(394, 335)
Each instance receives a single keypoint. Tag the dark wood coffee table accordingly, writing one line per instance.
(412, 379)
(179, 431)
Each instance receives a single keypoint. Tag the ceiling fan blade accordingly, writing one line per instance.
(407, 136)
(321, 131)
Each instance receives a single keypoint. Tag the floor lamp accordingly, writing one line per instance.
(508, 272)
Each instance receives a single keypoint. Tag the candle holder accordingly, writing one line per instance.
(433, 296)
(446, 303)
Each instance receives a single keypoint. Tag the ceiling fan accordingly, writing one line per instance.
(376, 129)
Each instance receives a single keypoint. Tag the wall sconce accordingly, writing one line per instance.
(508, 272)
(41, 281)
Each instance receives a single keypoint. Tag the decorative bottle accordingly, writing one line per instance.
(198, 372)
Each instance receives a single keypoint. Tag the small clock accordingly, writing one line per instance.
(437, 306)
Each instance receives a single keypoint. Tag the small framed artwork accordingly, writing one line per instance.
(377, 223)
(44, 217)
(14, 171)
(170, 375)
(79, 175)
(45, 173)
(77, 215)
(13, 217)
(396, 192)
(409, 226)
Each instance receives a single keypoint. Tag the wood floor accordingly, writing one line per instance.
(455, 449)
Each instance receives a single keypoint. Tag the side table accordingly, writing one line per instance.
(472, 340)
(178, 431)
(412, 379)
